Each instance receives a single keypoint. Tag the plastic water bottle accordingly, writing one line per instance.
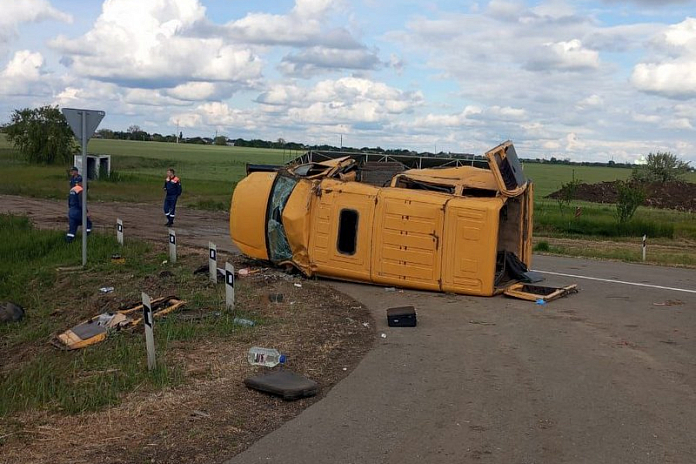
(267, 357)
(244, 322)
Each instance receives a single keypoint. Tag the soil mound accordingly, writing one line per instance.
(680, 196)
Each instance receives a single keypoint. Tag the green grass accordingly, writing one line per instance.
(208, 173)
(35, 376)
(600, 220)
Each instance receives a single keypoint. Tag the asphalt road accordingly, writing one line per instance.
(603, 376)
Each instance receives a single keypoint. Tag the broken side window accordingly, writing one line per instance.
(347, 231)
(413, 184)
(278, 247)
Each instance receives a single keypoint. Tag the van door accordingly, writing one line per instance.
(407, 234)
(470, 245)
(342, 230)
(507, 169)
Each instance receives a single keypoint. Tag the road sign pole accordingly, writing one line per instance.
(172, 246)
(85, 176)
(229, 286)
(645, 237)
(83, 124)
(119, 231)
(148, 321)
(212, 262)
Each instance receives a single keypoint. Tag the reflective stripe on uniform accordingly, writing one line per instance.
(70, 235)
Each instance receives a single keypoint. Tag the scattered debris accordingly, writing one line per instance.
(97, 328)
(165, 274)
(10, 312)
(297, 285)
(539, 293)
(481, 322)
(402, 316)
(669, 342)
(243, 272)
(286, 384)
(366, 325)
(118, 259)
(383, 335)
(389, 289)
(197, 413)
(244, 322)
(106, 289)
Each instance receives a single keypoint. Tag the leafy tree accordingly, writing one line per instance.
(42, 135)
(631, 196)
(660, 167)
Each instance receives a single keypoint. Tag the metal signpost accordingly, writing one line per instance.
(229, 286)
(172, 246)
(83, 124)
(119, 231)
(212, 262)
(148, 321)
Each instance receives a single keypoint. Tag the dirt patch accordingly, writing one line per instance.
(680, 196)
(211, 416)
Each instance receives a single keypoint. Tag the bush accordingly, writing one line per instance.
(567, 193)
(542, 246)
(630, 197)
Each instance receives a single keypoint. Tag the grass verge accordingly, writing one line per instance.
(35, 376)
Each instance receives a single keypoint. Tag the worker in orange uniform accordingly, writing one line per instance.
(75, 212)
(172, 187)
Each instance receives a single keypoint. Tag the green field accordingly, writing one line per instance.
(209, 174)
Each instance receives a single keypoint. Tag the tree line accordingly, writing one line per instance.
(42, 135)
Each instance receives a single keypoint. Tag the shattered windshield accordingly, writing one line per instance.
(278, 247)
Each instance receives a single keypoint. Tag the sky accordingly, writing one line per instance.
(582, 80)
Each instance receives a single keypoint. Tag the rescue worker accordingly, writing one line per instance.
(75, 176)
(172, 187)
(75, 212)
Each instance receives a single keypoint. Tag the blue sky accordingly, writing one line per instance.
(585, 80)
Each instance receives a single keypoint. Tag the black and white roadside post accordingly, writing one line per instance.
(119, 231)
(83, 124)
(212, 262)
(645, 238)
(229, 287)
(172, 246)
(148, 322)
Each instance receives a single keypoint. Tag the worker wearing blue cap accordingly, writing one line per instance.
(75, 177)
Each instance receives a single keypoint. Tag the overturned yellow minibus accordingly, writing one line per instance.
(461, 229)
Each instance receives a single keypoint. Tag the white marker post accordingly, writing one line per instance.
(119, 231)
(229, 286)
(172, 246)
(149, 321)
(83, 124)
(645, 237)
(212, 262)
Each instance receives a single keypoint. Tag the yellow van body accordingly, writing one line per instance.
(440, 229)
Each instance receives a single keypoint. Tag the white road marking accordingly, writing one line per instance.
(617, 281)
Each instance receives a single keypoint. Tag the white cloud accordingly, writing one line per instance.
(672, 73)
(570, 55)
(23, 74)
(15, 12)
(153, 48)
